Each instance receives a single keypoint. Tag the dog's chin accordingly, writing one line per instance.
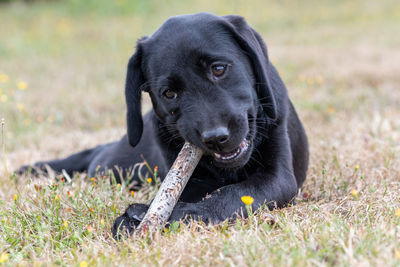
(236, 158)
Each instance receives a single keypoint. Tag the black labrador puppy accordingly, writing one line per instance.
(211, 83)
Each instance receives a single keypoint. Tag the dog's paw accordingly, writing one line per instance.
(186, 212)
(127, 222)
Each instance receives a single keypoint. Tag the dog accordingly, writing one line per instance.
(211, 83)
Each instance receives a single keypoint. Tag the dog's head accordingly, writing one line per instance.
(207, 79)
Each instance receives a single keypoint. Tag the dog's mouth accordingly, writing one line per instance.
(234, 155)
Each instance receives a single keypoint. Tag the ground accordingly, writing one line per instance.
(62, 71)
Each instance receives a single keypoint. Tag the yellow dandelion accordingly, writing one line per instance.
(15, 197)
(301, 77)
(3, 98)
(319, 79)
(57, 197)
(4, 257)
(92, 179)
(83, 264)
(65, 224)
(121, 2)
(248, 200)
(22, 85)
(118, 185)
(310, 80)
(20, 107)
(397, 212)
(50, 119)
(356, 168)
(354, 193)
(27, 122)
(3, 78)
(149, 180)
(64, 26)
(398, 254)
(132, 193)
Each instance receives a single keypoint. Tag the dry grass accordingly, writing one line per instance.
(340, 62)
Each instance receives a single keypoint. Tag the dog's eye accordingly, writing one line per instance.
(218, 69)
(170, 94)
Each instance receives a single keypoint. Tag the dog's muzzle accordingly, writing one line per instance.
(233, 155)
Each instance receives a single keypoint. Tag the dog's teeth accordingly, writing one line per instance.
(228, 156)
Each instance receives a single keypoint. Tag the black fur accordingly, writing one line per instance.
(248, 102)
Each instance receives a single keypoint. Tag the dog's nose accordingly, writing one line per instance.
(215, 137)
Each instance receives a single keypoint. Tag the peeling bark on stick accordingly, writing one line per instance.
(171, 188)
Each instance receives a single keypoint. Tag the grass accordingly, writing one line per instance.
(339, 60)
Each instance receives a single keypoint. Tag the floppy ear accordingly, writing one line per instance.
(252, 43)
(133, 93)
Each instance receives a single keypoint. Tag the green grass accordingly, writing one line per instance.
(340, 62)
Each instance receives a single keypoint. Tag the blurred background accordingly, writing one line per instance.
(63, 64)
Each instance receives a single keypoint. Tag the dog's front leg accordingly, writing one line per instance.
(224, 203)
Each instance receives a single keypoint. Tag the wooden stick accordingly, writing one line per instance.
(171, 188)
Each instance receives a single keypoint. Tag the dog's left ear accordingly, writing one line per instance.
(252, 43)
(133, 94)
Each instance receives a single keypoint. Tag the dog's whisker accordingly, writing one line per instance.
(253, 159)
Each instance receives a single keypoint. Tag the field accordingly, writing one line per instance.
(62, 73)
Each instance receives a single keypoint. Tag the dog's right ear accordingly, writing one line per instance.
(133, 93)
